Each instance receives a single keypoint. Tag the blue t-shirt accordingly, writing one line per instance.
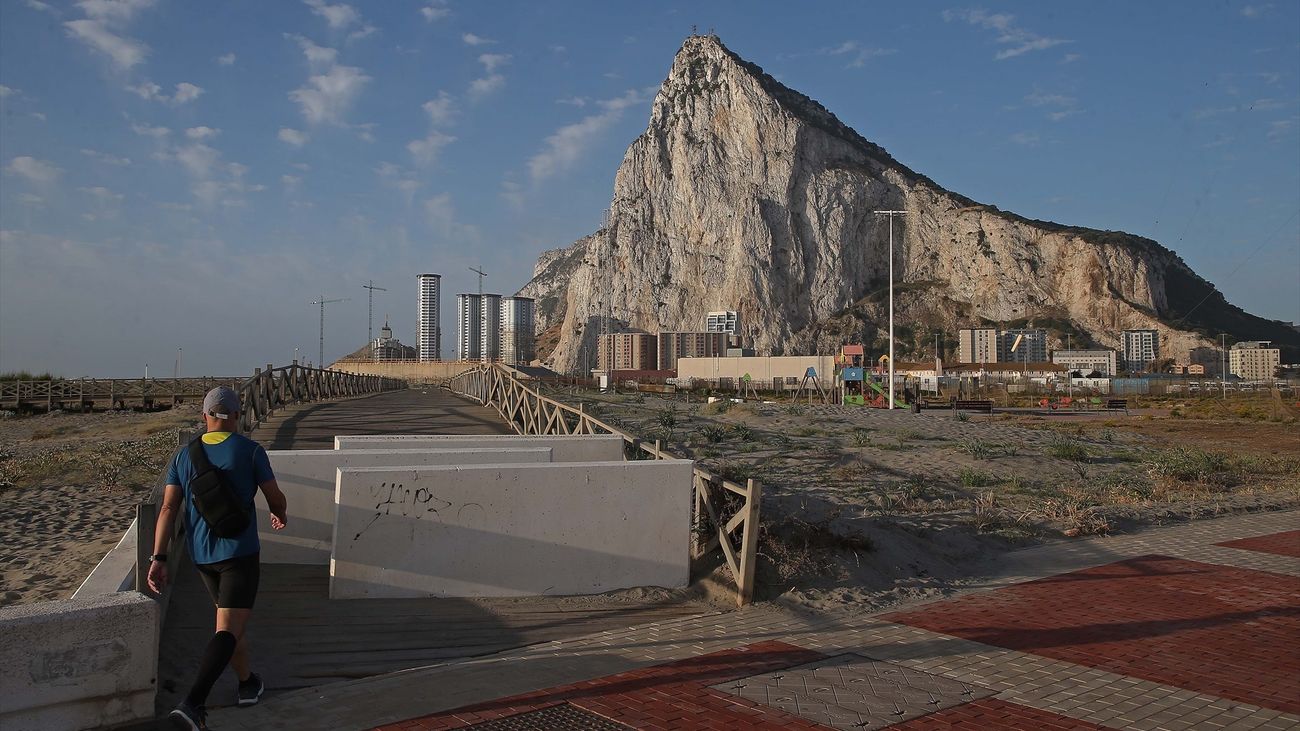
(245, 465)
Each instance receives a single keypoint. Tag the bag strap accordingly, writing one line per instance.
(198, 457)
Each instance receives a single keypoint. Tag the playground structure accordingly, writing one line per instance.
(862, 385)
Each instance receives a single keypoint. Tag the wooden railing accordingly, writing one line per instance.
(83, 393)
(730, 524)
(275, 388)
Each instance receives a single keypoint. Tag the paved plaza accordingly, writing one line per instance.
(1182, 627)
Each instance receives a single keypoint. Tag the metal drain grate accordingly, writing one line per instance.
(853, 692)
(563, 717)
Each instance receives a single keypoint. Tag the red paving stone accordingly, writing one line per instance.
(991, 713)
(1220, 630)
(670, 696)
(1283, 544)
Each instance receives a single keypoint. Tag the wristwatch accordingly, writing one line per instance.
(159, 557)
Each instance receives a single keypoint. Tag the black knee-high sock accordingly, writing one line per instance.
(220, 649)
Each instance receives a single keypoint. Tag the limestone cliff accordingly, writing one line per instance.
(745, 195)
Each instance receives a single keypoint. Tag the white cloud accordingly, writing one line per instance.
(1018, 40)
(426, 151)
(1281, 128)
(226, 59)
(201, 133)
(328, 96)
(102, 194)
(113, 10)
(1028, 139)
(364, 32)
(441, 110)
(291, 182)
(43, 7)
(567, 144)
(186, 92)
(441, 214)
(1071, 57)
(475, 40)
(1256, 11)
(318, 57)
(32, 199)
(435, 11)
(479, 88)
(292, 137)
(858, 53)
(337, 16)
(512, 193)
(6, 92)
(145, 130)
(36, 172)
(557, 49)
(105, 158)
(366, 131)
(124, 52)
(493, 61)
(38, 116)
(575, 101)
(198, 159)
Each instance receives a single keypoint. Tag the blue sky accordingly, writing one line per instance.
(192, 175)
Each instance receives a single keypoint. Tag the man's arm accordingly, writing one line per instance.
(276, 503)
(163, 530)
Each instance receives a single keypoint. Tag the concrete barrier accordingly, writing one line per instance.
(566, 447)
(306, 476)
(78, 663)
(511, 530)
(115, 571)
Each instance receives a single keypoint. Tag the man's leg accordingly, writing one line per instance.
(239, 661)
(230, 628)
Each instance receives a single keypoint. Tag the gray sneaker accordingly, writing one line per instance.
(186, 717)
(250, 691)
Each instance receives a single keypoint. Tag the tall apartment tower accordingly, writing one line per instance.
(469, 327)
(490, 328)
(518, 346)
(429, 340)
(1139, 348)
(1032, 347)
(977, 345)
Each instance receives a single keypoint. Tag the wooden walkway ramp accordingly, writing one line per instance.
(302, 638)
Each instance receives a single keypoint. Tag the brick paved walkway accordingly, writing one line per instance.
(1186, 627)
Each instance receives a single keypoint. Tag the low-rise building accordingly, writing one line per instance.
(1010, 372)
(1085, 362)
(675, 345)
(630, 351)
(766, 371)
(1254, 360)
(724, 321)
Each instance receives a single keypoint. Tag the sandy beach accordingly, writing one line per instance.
(69, 484)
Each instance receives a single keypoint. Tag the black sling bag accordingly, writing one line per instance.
(214, 496)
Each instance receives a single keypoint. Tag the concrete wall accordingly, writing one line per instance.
(511, 530)
(78, 663)
(565, 448)
(115, 571)
(306, 476)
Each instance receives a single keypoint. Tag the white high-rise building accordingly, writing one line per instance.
(469, 327)
(429, 339)
(1139, 349)
(518, 346)
(1030, 345)
(490, 328)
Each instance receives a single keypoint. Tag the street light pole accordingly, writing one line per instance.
(891, 215)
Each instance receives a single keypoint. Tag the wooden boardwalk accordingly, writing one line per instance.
(302, 638)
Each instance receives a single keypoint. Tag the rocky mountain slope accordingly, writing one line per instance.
(745, 195)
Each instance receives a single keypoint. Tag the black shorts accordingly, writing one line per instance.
(232, 583)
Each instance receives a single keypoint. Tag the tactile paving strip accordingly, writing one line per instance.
(563, 716)
(853, 692)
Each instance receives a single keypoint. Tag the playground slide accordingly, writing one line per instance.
(898, 403)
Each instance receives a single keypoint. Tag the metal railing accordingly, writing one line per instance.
(529, 412)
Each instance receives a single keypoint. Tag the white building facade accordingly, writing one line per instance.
(1022, 345)
(1139, 349)
(469, 327)
(490, 328)
(1103, 361)
(429, 339)
(518, 339)
(1254, 360)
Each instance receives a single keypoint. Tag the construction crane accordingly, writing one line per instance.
(322, 302)
(370, 309)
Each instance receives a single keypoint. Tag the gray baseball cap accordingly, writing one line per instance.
(221, 402)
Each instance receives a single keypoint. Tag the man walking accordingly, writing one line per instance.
(228, 566)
